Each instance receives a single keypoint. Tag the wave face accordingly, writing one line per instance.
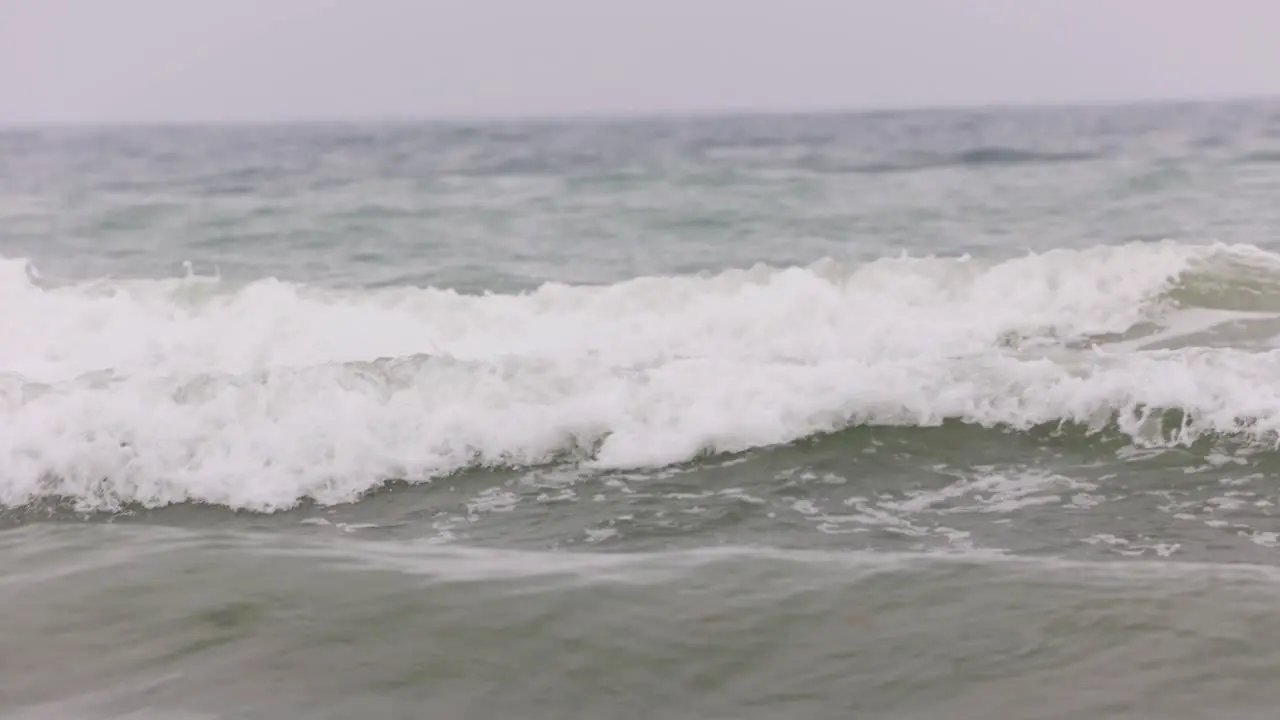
(262, 395)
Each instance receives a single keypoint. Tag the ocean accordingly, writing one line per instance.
(933, 414)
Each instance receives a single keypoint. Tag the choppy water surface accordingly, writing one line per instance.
(937, 414)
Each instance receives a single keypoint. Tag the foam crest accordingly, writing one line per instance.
(893, 308)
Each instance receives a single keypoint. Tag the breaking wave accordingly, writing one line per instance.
(258, 396)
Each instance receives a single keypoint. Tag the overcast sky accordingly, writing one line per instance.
(179, 60)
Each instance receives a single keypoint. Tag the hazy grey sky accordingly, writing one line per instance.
(108, 60)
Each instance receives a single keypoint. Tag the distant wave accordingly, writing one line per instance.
(258, 396)
(1013, 156)
(976, 157)
(1261, 156)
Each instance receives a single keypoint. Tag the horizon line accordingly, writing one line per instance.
(669, 114)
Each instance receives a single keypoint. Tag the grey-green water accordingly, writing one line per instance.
(957, 414)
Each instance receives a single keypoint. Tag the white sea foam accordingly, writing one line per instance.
(161, 391)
